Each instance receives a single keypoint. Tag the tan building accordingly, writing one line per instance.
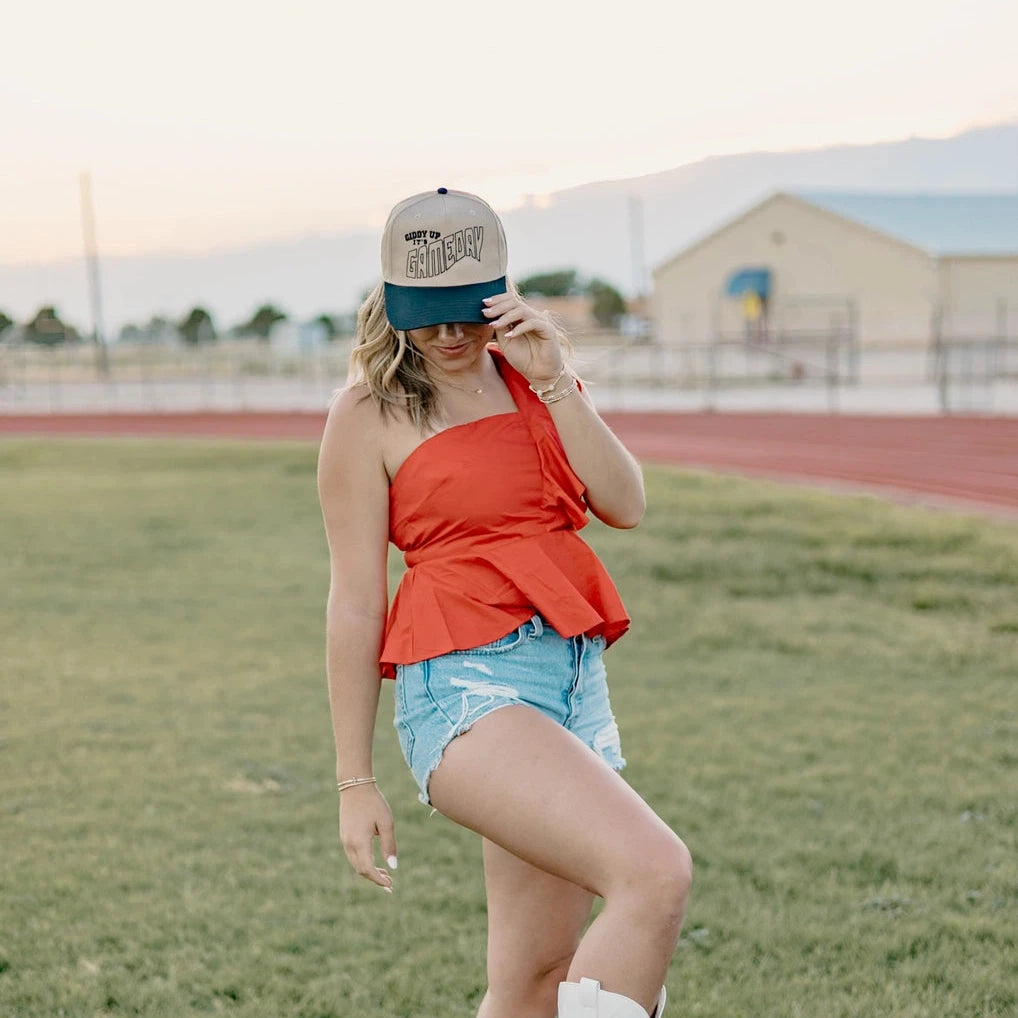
(890, 268)
(575, 314)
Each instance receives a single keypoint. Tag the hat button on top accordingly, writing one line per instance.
(443, 190)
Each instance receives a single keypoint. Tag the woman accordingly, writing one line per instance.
(465, 438)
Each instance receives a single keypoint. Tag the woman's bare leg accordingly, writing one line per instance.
(535, 921)
(525, 783)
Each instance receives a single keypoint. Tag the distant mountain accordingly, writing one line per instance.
(591, 227)
(681, 205)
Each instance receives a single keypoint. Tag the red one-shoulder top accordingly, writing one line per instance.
(487, 515)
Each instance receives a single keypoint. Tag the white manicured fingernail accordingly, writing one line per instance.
(388, 890)
(391, 860)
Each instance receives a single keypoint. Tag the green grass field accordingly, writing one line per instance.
(820, 694)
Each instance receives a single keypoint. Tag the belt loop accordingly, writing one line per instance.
(535, 621)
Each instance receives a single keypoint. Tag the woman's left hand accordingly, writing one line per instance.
(527, 337)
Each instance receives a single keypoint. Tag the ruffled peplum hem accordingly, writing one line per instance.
(457, 603)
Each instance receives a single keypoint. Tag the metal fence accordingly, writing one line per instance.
(800, 370)
(827, 371)
(969, 372)
(224, 375)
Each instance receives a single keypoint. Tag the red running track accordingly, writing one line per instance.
(962, 461)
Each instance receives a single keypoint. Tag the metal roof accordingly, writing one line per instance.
(941, 224)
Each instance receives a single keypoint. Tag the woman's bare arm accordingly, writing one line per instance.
(353, 490)
(611, 475)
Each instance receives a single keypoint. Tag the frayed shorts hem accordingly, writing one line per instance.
(562, 677)
(614, 759)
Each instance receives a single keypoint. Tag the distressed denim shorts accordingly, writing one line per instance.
(440, 698)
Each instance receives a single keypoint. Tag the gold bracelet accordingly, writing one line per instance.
(548, 388)
(567, 391)
(350, 782)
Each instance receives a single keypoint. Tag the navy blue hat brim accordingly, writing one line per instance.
(416, 307)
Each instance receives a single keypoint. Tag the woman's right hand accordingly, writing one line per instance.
(364, 815)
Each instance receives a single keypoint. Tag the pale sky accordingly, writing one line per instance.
(209, 125)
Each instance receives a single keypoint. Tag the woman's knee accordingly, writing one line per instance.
(659, 879)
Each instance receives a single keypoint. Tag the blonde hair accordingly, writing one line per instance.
(389, 365)
(393, 370)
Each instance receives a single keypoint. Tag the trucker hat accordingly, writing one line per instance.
(442, 252)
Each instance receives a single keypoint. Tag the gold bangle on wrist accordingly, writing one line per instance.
(567, 391)
(544, 390)
(350, 782)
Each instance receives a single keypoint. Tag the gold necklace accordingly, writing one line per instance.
(478, 391)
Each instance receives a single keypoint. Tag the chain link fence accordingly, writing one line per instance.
(822, 371)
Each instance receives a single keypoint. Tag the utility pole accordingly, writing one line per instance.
(636, 243)
(92, 268)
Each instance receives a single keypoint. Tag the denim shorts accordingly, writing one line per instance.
(440, 698)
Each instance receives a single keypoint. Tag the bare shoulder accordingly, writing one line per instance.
(353, 420)
(351, 440)
(354, 494)
(353, 405)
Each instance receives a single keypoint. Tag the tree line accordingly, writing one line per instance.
(607, 304)
(47, 328)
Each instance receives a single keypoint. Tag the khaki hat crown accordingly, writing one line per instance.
(443, 251)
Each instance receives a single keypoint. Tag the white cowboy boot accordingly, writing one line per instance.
(586, 999)
(660, 1009)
